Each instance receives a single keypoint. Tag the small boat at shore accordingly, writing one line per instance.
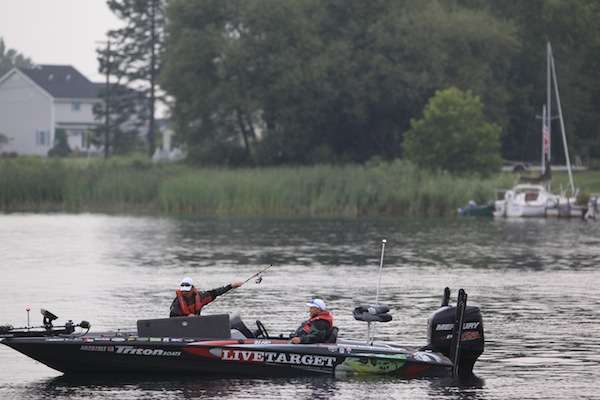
(525, 200)
(224, 346)
(472, 209)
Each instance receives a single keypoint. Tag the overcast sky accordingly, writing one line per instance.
(57, 31)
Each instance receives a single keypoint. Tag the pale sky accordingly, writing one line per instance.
(57, 31)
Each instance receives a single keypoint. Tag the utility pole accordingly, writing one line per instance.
(151, 136)
(107, 94)
(107, 102)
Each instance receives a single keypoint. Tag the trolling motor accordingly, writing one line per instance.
(47, 328)
(449, 323)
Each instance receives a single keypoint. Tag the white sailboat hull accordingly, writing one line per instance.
(525, 211)
(525, 201)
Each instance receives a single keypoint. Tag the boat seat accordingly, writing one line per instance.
(332, 338)
(237, 324)
(372, 313)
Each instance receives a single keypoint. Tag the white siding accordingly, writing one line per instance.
(65, 112)
(25, 110)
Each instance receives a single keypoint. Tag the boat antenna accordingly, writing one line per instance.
(383, 242)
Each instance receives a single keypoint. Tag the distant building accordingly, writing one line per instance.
(166, 151)
(36, 102)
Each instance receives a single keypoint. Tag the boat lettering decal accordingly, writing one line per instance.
(108, 349)
(444, 327)
(262, 342)
(449, 327)
(339, 349)
(145, 352)
(470, 325)
(277, 358)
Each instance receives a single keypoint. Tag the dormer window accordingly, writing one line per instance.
(75, 106)
(51, 77)
(68, 77)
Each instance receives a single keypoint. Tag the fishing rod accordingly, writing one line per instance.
(258, 275)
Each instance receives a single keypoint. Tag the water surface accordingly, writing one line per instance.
(536, 282)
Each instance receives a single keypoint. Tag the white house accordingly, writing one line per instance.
(35, 102)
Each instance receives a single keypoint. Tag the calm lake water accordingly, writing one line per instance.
(537, 283)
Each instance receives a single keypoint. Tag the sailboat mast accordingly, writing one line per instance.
(543, 139)
(562, 122)
(548, 120)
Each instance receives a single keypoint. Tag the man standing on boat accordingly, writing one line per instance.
(318, 328)
(189, 300)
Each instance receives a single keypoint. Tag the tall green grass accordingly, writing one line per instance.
(398, 189)
(135, 185)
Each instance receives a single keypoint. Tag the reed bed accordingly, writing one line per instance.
(393, 189)
(385, 189)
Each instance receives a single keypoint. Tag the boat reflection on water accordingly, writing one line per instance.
(319, 387)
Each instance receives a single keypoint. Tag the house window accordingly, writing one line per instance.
(42, 138)
(76, 106)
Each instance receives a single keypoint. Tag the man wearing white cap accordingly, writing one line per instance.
(189, 300)
(318, 327)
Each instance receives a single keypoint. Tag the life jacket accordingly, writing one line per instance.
(323, 316)
(196, 306)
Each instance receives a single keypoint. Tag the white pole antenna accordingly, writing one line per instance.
(383, 242)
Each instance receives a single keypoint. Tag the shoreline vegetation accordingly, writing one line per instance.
(130, 185)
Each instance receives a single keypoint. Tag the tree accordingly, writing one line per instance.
(572, 28)
(134, 53)
(453, 135)
(10, 58)
(61, 145)
(3, 140)
(128, 111)
(334, 80)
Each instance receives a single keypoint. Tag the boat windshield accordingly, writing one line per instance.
(528, 190)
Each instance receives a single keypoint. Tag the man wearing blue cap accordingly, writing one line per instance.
(318, 327)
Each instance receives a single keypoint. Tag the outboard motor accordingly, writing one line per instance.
(442, 329)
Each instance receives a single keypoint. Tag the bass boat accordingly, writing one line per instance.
(223, 345)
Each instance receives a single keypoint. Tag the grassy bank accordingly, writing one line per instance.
(134, 185)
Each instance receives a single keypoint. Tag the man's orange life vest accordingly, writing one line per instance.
(323, 315)
(196, 306)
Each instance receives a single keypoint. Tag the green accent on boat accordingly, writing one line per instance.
(382, 364)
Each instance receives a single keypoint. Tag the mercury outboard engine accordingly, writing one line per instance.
(443, 329)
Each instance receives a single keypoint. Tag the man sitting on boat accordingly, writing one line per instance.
(189, 300)
(318, 328)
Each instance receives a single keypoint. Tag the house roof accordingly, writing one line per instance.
(61, 81)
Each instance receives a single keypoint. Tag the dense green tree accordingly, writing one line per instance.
(3, 140)
(10, 58)
(133, 58)
(573, 29)
(128, 109)
(325, 80)
(454, 135)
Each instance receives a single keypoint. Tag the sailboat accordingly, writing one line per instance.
(534, 198)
